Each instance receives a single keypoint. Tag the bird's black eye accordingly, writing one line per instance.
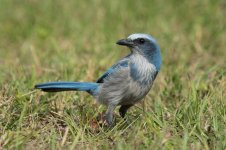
(141, 41)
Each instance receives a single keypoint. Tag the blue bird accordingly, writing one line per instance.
(126, 82)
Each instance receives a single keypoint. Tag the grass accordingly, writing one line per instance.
(46, 40)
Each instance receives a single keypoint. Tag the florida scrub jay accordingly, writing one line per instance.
(126, 82)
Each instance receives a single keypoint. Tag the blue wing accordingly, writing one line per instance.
(121, 63)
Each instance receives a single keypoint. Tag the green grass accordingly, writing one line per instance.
(46, 40)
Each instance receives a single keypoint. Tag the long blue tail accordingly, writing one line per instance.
(90, 87)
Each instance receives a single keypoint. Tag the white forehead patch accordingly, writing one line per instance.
(141, 35)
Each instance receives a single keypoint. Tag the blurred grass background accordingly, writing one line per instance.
(48, 40)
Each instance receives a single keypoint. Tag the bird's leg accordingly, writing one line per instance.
(123, 109)
(109, 114)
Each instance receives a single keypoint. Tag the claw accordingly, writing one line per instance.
(103, 121)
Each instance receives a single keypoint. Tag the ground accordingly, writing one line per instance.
(46, 40)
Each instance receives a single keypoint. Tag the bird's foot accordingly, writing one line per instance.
(104, 121)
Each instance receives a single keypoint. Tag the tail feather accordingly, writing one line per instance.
(67, 86)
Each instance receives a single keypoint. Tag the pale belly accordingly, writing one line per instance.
(135, 93)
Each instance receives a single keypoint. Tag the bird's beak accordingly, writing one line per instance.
(125, 42)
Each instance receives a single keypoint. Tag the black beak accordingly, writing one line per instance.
(125, 42)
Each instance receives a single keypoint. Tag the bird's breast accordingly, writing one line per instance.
(142, 71)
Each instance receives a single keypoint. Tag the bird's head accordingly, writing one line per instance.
(145, 45)
(141, 43)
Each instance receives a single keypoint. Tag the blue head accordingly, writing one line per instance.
(145, 45)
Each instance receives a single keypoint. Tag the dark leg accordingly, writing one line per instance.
(123, 109)
(109, 115)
